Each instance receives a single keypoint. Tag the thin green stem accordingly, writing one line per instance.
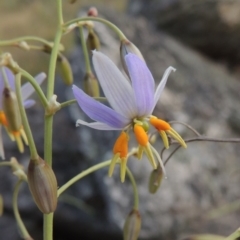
(32, 147)
(3, 164)
(48, 226)
(20, 223)
(85, 50)
(234, 236)
(25, 38)
(48, 120)
(104, 21)
(35, 85)
(81, 175)
(135, 190)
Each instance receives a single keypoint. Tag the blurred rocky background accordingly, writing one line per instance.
(201, 194)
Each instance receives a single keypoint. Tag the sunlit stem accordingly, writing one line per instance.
(135, 190)
(234, 236)
(109, 24)
(85, 50)
(48, 121)
(35, 85)
(20, 223)
(32, 147)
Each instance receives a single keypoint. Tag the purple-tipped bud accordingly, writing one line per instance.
(91, 86)
(128, 47)
(66, 70)
(1, 205)
(132, 226)
(43, 185)
(11, 110)
(93, 42)
(155, 180)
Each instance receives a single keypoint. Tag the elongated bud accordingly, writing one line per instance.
(1, 205)
(155, 179)
(132, 226)
(91, 86)
(11, 110)
(43, 185)
(128, 47)
(66, 70)
(93, 42)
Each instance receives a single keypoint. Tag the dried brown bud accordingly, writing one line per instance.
(92, 12)
(91, 86)
(132, 226)
(66, 70)
(128, 47)
(93, 42)
(43, 185)
(1, 205)
(155, 180)
(11, 110)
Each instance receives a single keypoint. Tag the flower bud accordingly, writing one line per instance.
(66, 70)
(132, 226)
(155, 179)
(128, 47)
(92, 12)
(91, 86)
(11, 110)
(43, 185)
(93, 42)
(1, 205)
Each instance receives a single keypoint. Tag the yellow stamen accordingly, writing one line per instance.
(150, 156)
(160, 124)
(19, 141)
(141, 135)
(159, 160)
(123, 166)
(112, 164)
(3, 119)
(176, 136)
(23, 134)
(164, 138)
(140, 152)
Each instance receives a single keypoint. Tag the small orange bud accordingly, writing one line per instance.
(141, 135)
(155, 180)
(121, 145)
(132, 226)
(93, 42)
(66, 70)
(91, 86)
(43, 185)
(11, 110)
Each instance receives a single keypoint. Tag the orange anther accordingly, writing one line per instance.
(121, 145)
(3, 119)
(141, 135)
(160, 124)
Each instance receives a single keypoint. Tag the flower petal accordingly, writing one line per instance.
(99, 112)
(29, 103)
(162, 84)
(115, 86)
(96, 125)
(142, 82)
(1, 145)
(27, 89)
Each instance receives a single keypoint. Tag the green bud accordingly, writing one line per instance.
(1, 205)
(132, 226)
(43, 185)
(155, 179)
(128, 47)
(66, 70)
(145, 125)
(11, 110)
(93, 42)
(91, 86)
